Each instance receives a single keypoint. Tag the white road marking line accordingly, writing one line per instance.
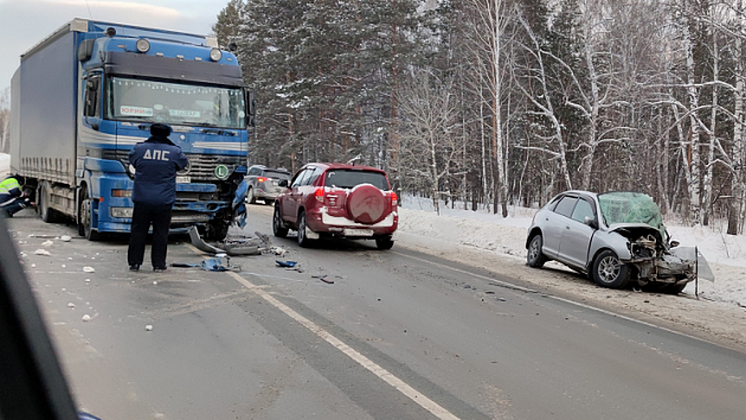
(368, 364)
(458, 270)
(377, 370)
(561, 299)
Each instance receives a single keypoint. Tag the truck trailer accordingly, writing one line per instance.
(84, 96)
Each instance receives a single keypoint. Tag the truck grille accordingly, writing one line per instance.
(201, 167)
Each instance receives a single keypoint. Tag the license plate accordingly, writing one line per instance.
(183, 179)
(358, 232)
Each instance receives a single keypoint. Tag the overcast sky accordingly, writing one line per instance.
(23, 23)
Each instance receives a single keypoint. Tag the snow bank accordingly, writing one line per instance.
(507, 236)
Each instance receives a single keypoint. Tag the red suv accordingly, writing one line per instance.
(337, 200)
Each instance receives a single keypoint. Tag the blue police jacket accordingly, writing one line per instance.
(156, 162)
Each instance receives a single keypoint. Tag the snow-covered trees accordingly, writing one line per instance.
(507, 101)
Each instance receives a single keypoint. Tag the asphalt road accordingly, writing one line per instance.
(398, 335)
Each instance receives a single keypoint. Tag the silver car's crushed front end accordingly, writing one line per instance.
(657, 262)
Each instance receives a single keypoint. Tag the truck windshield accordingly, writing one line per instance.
(175, 103)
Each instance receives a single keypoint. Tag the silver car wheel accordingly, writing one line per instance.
(535, 258)
(608, 269)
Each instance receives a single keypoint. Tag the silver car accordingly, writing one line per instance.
(264, 183)
(615, 238)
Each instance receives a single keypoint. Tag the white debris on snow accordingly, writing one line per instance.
(148, 328)
(87, 269)
(86, 318)
(65, 238)
(47, 243)
(70, 305)
(42, 252)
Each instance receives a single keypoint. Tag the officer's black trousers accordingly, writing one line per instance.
(142, 216)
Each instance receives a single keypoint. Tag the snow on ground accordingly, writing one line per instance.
(482, 230)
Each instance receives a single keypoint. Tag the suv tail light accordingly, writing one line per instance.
(319, 194)
(261, 179)
(394, 199)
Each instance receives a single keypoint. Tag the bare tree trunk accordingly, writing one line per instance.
(693, 157)
(661, 171)
(735, 216)
(707, 182)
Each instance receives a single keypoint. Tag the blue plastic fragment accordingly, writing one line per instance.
(285, 263)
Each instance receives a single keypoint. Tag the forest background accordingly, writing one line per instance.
(503, 102)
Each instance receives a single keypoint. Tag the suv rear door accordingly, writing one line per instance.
(340, 182)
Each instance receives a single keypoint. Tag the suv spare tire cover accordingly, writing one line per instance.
(366, 204)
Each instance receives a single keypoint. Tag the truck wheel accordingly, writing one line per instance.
(609, 272)
(47, 214)
(278, 228)
(85, 227)
(217, 231)
(303, 240)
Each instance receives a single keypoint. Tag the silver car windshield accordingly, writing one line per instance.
(630, 207)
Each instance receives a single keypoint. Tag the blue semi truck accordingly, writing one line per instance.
(85, 95)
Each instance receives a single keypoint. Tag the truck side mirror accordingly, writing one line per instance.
(251, 108)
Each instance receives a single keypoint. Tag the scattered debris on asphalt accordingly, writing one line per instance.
(86, 318)
(65, 238)
(323, 277)
(70, 305)
(47, 243)
(42, 252)
(277, 250)
(232, 248)
(148, 327)
(285, 264)
(87, 269)
(211, 264)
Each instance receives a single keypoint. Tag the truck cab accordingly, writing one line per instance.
(77, 126)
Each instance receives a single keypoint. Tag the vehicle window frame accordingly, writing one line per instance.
(590, 205)
(569, 197)
(276, 174)
(254, 171)
(314, 175)
(92, 95)
(296, 182)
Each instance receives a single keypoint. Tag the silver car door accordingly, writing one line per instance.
(576, 236)
(554, 224)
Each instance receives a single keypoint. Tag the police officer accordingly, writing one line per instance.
(156, 162)
(12, 198)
